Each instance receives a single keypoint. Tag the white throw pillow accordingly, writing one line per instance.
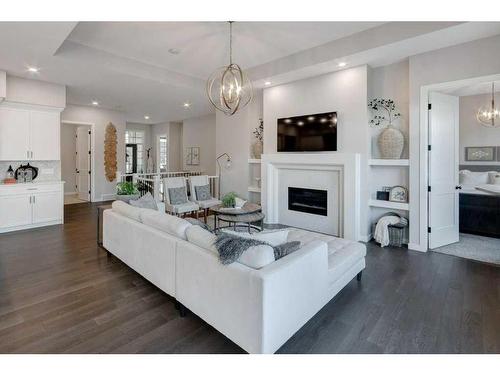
(257, 256)
(127, 210)
(201, 237)
(491, 177)
(271, 237)
(165, 222)
(474, 178)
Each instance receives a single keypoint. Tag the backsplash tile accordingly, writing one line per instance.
(44, 169)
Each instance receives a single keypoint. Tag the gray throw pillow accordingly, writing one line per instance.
(146, 201)
(202, 192)
(194, 221)
(284, 249)
(177, 195)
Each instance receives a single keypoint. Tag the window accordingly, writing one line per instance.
(163, 153)
(137, 138)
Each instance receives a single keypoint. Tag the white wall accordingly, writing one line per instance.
(68, 157)
(3, 85)
(147, 130)
(233, 136)
(468, 60)
(173, 132)
(472, 133)
(345, 92)
(103, 189)
(200, 132)
(21, 90)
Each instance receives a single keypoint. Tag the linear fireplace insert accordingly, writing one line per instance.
(312, 201)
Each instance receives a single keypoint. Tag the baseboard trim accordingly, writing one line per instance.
(108, 197)
(366, 238)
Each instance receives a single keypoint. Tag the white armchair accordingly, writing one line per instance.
(204, 204)
(174, 208)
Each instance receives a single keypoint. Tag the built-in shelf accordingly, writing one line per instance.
(254, 161)
(389, 204)
(389, 162)
(254, 189)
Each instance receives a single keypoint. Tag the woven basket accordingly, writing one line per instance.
(398, 233)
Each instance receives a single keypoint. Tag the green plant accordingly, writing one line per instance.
(126, 188)
(229, 200)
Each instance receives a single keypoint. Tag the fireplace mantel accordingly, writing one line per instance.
(345, 165)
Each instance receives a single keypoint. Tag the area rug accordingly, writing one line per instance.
(470, 246)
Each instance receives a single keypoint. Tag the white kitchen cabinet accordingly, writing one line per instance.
(14, 134)
(15, 211)
(29, 134)
(44, 135)
(31, 205)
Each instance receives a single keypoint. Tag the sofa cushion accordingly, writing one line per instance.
(201, 237)
(271, 237)
(166, 223)
(343, 259)
(199, 223)
(305, 237)
(146, 201)
(127, 210)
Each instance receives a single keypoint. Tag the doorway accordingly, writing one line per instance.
(463, 194)
(77, 159)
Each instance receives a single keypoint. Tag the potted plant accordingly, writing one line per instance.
(229, 200)
(391, 141)
(257, 146)
(127, 191)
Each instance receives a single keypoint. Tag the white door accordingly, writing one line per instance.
(443, 170)
(47, 207)
(15, 210)
(14, 134)
(83, 162)
(44, 136)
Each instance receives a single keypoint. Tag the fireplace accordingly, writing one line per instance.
(311, 201)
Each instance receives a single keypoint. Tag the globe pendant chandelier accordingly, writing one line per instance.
(229, 88)
(489, 116)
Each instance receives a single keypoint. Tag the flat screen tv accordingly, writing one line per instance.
(308, 133)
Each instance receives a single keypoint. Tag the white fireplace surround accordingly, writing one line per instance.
(345, 168)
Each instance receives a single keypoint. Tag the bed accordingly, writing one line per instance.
(479, 200)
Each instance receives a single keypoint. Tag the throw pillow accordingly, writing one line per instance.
(202, 192)
(177, 195)
(146, 201)
(270, 237)
(231, 248)
(197, 222)
(201, 238)
(287, 248)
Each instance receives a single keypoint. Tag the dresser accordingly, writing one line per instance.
(31, 205)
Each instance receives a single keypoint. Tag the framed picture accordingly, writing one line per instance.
(192, 156)
(486, 153)
(398, 194)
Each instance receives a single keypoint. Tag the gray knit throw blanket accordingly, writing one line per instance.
(230, 247)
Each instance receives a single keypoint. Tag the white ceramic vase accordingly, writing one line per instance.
(257, 149)
(391, 143)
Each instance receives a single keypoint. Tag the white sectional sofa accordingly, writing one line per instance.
(258, 309)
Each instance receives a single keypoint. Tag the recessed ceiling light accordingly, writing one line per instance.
(95, 102)
(146, 117)
(33, 69)
(341, 64)
(267, 83)
(174, 51)
(186, 105)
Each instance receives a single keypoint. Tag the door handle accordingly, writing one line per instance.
(458, 187)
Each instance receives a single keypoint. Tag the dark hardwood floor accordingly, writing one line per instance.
(59, 293)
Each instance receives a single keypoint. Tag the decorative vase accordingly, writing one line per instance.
(257, 149)
(127, 198)
(391, 143)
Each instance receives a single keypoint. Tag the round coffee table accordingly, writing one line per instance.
(245, 216)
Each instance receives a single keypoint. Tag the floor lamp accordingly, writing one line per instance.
(227, 165)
